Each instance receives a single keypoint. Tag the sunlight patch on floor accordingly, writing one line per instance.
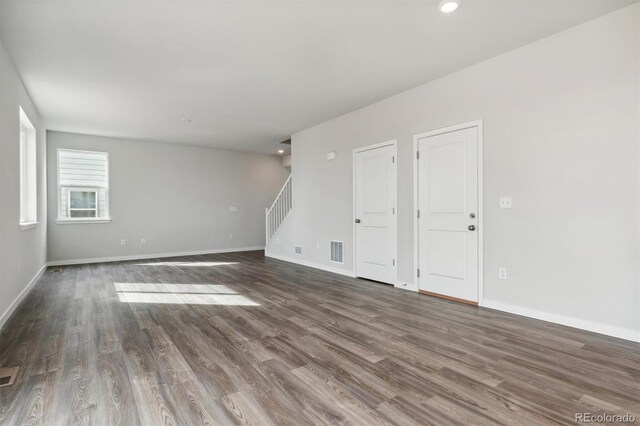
(186, 264)
(174, 288)
(181, 294)
(187, 299)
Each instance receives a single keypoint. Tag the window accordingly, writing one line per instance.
(82, 203)
(28, 182)
(83, 186)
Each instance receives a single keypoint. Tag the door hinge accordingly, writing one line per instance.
(393, 158)
(418, 272)
(393, 210)
(418, 214)
(417, 155)
(394, 262)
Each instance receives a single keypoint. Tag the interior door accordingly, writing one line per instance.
(375, 210)
(448, 209)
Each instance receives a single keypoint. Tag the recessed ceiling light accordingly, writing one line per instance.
(448, 6)
(185, 120)
(281, 151)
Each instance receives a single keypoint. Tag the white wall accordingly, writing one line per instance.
(176, 197)
(22, 253)
(561, 136)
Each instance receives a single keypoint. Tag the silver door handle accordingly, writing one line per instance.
(357, 220)
(472, 227)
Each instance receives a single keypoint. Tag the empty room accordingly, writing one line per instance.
(345, 212)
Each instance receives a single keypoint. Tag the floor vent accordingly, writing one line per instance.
(56, 270)
(337, 251)
(298, 250)
(8, 376)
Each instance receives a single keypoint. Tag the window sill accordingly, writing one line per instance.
(77, 221)
(28, 225)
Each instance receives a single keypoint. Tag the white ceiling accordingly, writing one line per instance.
(249, 73)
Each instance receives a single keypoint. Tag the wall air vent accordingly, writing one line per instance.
(298, 250)
(337, 251)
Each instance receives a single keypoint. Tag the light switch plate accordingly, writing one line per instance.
(233, 209)
(331, 155)
(505, 202)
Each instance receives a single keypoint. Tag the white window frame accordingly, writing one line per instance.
(28, 217)
(69, 190)
(76, 220)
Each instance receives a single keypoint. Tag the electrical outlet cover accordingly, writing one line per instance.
(505, 202)
(502, 273)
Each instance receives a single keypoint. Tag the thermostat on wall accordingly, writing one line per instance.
(331, 155)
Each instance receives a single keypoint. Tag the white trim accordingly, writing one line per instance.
(415, 285)
(279, 227)
(268, 235)
(621, 333)
(480, 212)
(97, 188)
(416, 231)
(76, 221)
(286, 182)
(394, 143)
(376, 146)
(28, 225)
(69, 190)
(306, 263)
(416, 259)
(150, 256)
(28, 179)
(12, 307)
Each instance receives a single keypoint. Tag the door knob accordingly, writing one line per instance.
(472, 227)
(357, 220)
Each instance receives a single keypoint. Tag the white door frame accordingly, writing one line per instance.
(416, 201)
(394, 143)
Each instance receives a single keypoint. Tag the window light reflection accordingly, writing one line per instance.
(186, 264)
(181, 294)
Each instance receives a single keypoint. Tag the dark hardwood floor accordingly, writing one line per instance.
(240, 339)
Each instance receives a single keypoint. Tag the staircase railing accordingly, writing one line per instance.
(279, 210)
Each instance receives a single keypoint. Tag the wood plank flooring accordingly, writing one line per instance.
(240, 339)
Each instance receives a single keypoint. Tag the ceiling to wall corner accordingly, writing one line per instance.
(249, 73)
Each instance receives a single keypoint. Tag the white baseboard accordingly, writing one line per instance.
(310, 264)
(150, 256)
(608, 330)
(595, 327)
(406, 286)
(12, 307)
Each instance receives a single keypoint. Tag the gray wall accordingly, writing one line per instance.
(22, 253)
(176, 197)
(561, 136)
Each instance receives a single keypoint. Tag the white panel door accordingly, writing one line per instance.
(448, 204)
(375, 205)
